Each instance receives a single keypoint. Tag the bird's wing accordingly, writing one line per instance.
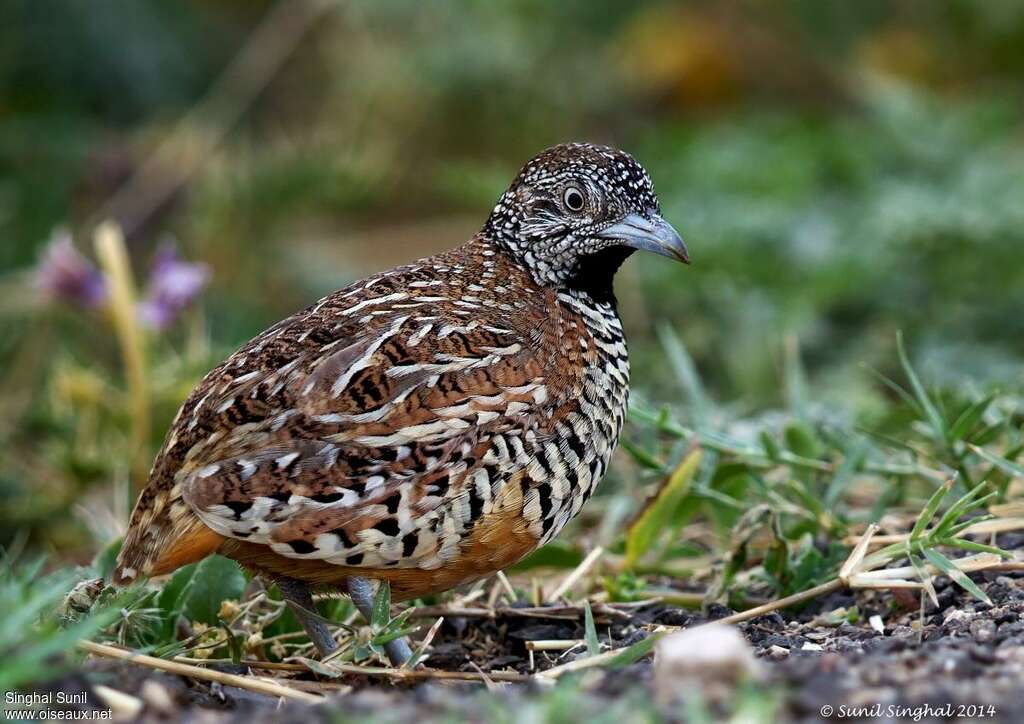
(399, 383)
(373, 450)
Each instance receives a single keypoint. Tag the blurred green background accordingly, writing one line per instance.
(839, 170)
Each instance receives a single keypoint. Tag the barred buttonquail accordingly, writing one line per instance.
(428, 425)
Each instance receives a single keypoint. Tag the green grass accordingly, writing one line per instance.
(40, 626)
(781, 492)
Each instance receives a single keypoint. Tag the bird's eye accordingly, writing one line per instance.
(573, 199)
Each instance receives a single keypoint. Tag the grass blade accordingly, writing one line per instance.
(969, 418)
(593, 645)
(381, 614)
(634, 653)
(686, 372)
(1008, 467)
(959, 577)
(968, 502)
(795, 377)
(655, 516)
(969, 545)
(895, 387)
(924, 401)
(852, 461)
(929, 509)
(926, 580)
(954, 530)
(641, 456)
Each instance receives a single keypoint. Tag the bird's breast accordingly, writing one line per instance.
(584, 419)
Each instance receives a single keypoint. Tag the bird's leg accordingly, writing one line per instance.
(360, 590)
(297, 595)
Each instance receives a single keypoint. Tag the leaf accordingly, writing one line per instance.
(967, 420)
(771, 448)
(198, 592)
(320, 668)
(37, 661)
(692, 502)
(812, 566)
(776, 558)
(626, 586)
(390, 635)
(593, 645)
(635, 652)
(968, 502)
(381, 613)
(929, 509)
(106, 560)
(926, 580)
(657, 513)
(989, 433)
(641, 456)
(852, 462)
(955, 529)
(959, 577)
(927, 406)
(660, 420)
(1010, 468)
(795, 377)
(556, 554)
(35, 648)
(686, 372)
(743, 532)
(807, 498)
(28, 598)
(170, 600)
(969, 545)
(895, 387)
(802, 440)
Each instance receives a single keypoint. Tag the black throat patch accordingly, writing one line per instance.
(594, 273)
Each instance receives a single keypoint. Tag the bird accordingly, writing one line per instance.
(425, 426)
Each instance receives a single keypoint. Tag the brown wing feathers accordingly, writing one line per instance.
(377, 447)
(427, 425)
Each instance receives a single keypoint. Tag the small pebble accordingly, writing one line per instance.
(713, 659)
(983, 630)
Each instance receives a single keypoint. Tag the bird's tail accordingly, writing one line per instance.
(163, 535)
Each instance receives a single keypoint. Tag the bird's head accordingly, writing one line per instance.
(576, 212)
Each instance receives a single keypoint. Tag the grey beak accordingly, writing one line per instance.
(654, 234)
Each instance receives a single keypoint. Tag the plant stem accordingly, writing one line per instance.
(111, 253)
(820, 590)
(244, 682)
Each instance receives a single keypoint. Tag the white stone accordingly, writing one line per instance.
(712, 658)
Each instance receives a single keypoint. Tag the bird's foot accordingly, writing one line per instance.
(300, 600)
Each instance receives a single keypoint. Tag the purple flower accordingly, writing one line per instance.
(64, 274)
(173, 284)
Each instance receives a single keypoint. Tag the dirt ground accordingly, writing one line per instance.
(965, 662)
